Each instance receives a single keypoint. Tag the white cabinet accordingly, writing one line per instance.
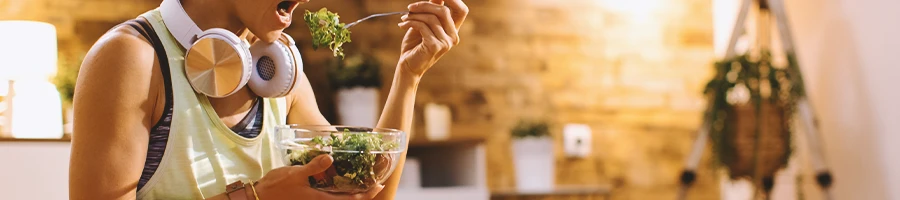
(34, 170)
(447, 171)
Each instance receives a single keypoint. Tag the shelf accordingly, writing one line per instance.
(459, 133)
(558, 191)
(65, 138)
(440, 193)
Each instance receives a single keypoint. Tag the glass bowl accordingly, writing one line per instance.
(363, 157)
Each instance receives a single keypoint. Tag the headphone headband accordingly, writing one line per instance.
(179, 23)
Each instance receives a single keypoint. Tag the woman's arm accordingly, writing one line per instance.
(397, 114)
(432, 30)
(302, 107)
(114, 102)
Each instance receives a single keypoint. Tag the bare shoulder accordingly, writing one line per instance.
(121, 46)
(114, 99)
(117, 73)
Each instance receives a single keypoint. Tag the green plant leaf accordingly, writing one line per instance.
(531, 129)
(327, 30)
(354, 159)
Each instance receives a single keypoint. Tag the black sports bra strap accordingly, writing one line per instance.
(134, 25)
(163, 59)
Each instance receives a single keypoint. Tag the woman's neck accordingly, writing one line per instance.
(219, 14)
(209, 14)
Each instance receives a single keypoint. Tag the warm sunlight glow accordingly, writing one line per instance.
(36, 110)
(639, 11)
(28, 50)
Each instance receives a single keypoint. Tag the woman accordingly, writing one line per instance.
(143, 132)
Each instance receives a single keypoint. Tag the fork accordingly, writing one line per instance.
(374, 16)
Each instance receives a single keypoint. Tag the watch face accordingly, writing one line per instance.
(214, 67)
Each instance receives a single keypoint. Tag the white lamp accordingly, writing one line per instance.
(27, 62)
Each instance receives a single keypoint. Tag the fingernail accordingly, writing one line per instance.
(325, 161)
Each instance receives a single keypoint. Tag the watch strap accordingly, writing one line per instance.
(236, 191)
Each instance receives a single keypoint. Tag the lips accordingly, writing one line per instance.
(285, 9)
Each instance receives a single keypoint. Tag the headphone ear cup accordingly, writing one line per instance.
(298, 60)
(211, 66)
(274, 69)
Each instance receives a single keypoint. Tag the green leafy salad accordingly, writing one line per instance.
(360, 160)
(327, 30)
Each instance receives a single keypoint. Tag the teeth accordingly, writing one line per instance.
(284, 7)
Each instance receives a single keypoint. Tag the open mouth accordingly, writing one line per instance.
(285, 8)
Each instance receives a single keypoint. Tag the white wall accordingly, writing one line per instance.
(34, 170)
(852, 69)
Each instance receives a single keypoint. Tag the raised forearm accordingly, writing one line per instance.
(399, 107)
(398, 114)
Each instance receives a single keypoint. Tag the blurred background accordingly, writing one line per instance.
(542, 99)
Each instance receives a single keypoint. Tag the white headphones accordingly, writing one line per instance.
(218, 63)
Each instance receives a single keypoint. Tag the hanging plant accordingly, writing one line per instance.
(752, 107)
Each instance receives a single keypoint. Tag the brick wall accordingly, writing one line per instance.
(632, 70)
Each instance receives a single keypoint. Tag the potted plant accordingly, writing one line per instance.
(357, 81)
(532, 150)
(66, 75)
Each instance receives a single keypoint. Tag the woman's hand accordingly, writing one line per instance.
(293, 183)
(433, 29)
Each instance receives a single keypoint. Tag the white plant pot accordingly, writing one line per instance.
(358, 106)
(534, 163)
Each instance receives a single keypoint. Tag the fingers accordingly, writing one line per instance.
(435, 25)
(441, 13)
(316, 166)
(429, 39)
(455, 8)
(458, 10)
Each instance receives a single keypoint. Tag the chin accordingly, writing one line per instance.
(269, 36)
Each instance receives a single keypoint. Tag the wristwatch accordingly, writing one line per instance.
(238, 191)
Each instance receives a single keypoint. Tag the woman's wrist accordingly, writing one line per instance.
(406, 78)
(260, 190)
(251, 192)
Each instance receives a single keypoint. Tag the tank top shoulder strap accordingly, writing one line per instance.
(159, 133)
(160, 49)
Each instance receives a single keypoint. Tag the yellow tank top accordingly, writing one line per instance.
(202, 155)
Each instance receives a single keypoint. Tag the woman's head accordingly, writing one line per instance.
(266, 18)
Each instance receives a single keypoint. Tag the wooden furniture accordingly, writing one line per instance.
(34, 168)
(452, 169)
(558, 193)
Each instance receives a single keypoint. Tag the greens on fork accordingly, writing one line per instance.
(327, 30)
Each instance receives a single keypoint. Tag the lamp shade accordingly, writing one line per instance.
(27, 50)
(28, 59)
